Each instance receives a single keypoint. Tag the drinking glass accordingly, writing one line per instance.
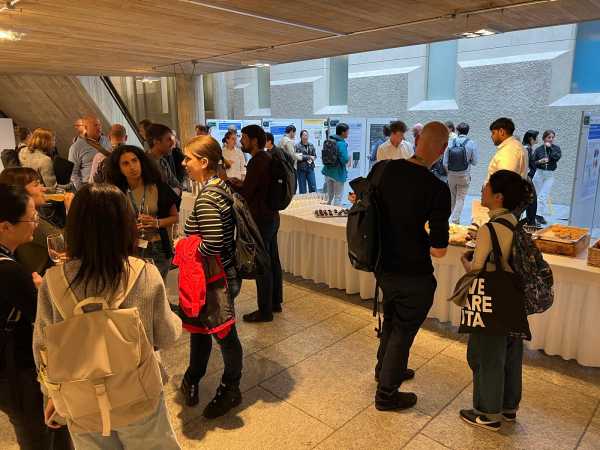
(57, 250)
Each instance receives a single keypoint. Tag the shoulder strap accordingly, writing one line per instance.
(496, 248)
(61, 295)
(506, 223)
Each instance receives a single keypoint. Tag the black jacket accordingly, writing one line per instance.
(553, 153)
(307, 151)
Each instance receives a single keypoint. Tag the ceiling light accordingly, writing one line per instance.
(478, 33)
(149, 79)
(7, 35)
(255, 64)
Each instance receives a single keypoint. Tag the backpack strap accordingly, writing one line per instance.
(219, 190)
(506, 223)
(61, 295)
(496, 248)
(136, 266)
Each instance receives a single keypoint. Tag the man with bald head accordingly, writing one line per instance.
(85, 148)
(409, 196)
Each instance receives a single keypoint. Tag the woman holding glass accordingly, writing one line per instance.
(153, 201)
(234, 156)
(306, 164)
(34, 254)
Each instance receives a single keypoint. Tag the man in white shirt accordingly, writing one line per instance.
(395, 147)
(510, 154)
(288, 143)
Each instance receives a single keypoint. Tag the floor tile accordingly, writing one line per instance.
(549, 418)
(262, 421)
(373, 429)
(591, 438)
(422, 442)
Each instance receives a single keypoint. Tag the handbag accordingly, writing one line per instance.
(495, 304)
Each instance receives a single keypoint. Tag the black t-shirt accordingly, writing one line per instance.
(255, 189)
(410, 196)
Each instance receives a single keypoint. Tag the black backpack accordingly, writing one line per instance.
(251, 258)
(330, 155)
(10, 157)
(457, 156)
(283, 180)
(363, 232)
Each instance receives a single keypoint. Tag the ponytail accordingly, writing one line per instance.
(515, 190)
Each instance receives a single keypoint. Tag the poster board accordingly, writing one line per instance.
(585, 203)
(218, 128)
(317, 133)
(277, 127)
(375, 137)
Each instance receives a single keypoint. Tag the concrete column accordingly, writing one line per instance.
(221, 96)
(190, 105)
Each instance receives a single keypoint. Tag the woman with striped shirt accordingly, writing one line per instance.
(212, 219)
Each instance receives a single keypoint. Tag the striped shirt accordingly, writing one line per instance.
(212, 218)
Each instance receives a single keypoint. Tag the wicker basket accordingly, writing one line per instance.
(594, 255)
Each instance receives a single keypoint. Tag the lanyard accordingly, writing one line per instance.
(142, 203)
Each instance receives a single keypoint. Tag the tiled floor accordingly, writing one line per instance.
(308, 383)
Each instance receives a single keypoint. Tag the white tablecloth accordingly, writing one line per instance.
(316, 249)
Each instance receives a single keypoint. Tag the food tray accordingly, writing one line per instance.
(594, 255)
(548, 242)
(331, 213)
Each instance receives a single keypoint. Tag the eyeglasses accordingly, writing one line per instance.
(36, 219)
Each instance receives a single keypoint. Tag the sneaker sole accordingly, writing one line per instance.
(509, 419)
(480, 425)
(234, 405)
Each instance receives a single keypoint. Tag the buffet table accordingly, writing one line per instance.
(316, 249)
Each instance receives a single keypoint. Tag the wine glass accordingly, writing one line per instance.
(57, 250)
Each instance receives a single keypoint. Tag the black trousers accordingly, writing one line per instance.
(406, 302)
(23, 403)
(531, 211)
(200, 349)
(269, 287)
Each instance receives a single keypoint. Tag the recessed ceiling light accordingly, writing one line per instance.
(149, 79)
(478, 33)
(7, 35)
(255, 64)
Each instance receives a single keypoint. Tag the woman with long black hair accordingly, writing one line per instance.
(529, 140)
(153, 201)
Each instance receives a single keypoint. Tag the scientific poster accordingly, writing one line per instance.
(7, 134)
(591, 168)
(317, 133)
(277, 127)
(218, 128)
(356, 148)
(375, 137)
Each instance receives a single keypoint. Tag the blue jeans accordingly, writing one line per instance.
(156, 253)
(307, 176)
(496, 362)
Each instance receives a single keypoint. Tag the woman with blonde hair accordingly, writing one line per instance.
(35, 155)
(213, 220)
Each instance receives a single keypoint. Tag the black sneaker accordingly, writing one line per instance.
(190, 392)
(408, 375)
(509, 417)
(479, 420)
(226, 398)
(257, 316)
(394, 401)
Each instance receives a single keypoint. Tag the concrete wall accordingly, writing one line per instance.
(524, 75)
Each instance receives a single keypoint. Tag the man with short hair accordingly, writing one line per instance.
(336, 175)
(202, 130)
(84, 149)
(460, 155)
(255, 189)
(395, 147)
(416, 132)
(79, 129)
(510, 153)
(406, 275)
(161, 140)
(117, 136)
(288, 143)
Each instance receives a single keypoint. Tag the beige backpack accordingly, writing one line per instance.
(98, 365)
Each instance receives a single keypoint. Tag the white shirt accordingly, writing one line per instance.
(387, 150)
(510, 155)
(237, 161)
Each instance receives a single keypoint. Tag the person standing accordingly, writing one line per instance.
(83, 151)
(395, 147)
(95, 269)
(496, 360)
(416, 132)
(202, 130)
(154, 203)
(406, 277)
(255, 190)
(143, 129)
(35, 155)
(546, 157)
(460, 155)
(234, 156)
(306, 164)
(510, 154)
(336, 175)
(452, 130)
(213, 220)
(288, 143)
(529, 141)
(117, 136)
(161, 140)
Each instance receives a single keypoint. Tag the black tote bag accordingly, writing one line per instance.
(495, 304)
